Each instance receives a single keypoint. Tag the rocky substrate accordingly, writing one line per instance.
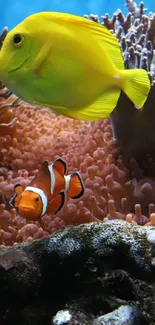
(96, 274)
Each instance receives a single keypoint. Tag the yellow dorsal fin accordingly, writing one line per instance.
(107, 40)
(107, 47)
(78, 22)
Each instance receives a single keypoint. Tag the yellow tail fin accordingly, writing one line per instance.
(136, 85)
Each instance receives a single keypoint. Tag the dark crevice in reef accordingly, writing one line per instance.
(134, 132)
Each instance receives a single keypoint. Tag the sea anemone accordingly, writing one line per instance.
(115, 156)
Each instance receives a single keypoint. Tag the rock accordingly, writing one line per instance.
(19, 274)
(62, 317)
(91, 269)
(124, 315)
(72, 316)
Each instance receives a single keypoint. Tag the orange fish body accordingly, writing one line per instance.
(47, 191)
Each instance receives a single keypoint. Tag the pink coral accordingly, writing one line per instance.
(39, 134)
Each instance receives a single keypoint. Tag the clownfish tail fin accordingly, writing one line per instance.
(74, 185)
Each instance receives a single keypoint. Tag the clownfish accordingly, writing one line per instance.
(47, 191)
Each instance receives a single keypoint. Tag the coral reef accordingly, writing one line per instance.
(88, 273)
(116, 160)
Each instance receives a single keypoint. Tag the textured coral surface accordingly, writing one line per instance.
(29, 135)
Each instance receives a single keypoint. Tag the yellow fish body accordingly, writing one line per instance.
(69, 63)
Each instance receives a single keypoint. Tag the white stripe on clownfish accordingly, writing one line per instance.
(42, 195)
(53, 182)
(67, 182)
(52, 176)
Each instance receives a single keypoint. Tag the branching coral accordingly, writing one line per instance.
(116, 186)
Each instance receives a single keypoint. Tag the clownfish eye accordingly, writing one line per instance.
(37, 199)
(18, 40)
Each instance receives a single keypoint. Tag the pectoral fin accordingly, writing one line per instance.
(40, 61)
(57, 203)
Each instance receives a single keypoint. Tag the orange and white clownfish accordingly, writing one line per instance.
(47, 191)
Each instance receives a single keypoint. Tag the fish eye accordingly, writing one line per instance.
(36, 199)
(18, 40)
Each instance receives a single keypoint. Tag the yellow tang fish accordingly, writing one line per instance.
(69, 63)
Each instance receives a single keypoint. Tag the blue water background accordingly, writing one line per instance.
(14, 11)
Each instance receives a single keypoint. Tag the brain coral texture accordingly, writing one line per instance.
(29, 135)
